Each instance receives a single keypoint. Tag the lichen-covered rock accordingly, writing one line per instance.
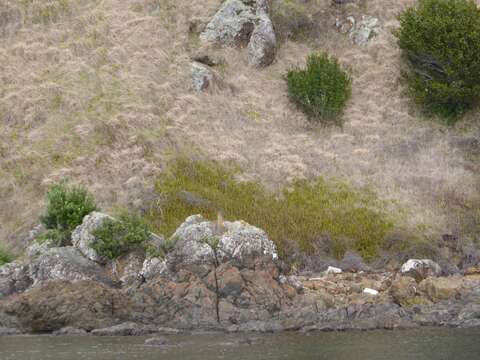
(65, 263)
(238, 242)
(202, 76)
(232, 25)
(153, 267)
(36, 248)
(10, 20)
(14, 278)
(263, 42)
(129, 268)
(420, 269)
(83, 239)
(364, 29)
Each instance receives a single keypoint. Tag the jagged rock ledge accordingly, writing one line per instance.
(234, 285)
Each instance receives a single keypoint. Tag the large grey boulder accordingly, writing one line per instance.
(65, 263)
(237, 241)
(420, 269)
(153, 267)
(14, 278)
(263, 42)
(83, 239)
(232, 25)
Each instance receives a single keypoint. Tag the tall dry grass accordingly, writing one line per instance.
(101, 94)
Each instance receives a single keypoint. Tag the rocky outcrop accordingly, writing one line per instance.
(244, 22)
(232, 25)
(66, 264)
(421, 269)
(360, 29)
(14, 278)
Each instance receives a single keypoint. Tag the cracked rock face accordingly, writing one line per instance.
(237, 241)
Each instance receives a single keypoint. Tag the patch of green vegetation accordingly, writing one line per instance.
(321, 89)
(5, 257)
(118, 237)
(441, 41)
(67, 205)
(302, 213)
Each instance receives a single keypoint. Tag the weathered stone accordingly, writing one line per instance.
(14, 278)
(157, 341)
(232, 25)
(230, 282)
(4, 331)
(293, 281)
(83, 239)
(360, 29)
(263, 42)
(65, 263)
(202, 76)
(421, 269)
(37, 248)
(129, 268)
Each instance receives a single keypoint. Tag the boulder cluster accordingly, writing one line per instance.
(218, 275)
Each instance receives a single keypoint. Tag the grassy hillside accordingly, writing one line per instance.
(99, 91)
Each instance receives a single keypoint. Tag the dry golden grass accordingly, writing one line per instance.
(100, 93)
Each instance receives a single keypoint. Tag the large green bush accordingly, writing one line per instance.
(441, 41)
(321, 89)
(118, 237)
(67, 205)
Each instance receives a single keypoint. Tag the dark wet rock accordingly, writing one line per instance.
(55, 305)
(70, 331)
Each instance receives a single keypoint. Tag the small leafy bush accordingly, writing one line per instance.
(5, 257)
(67, 205)
(300, 214)
(118, 237)
(441, 41)
(321, 89)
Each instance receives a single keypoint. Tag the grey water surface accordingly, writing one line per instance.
(417, 344)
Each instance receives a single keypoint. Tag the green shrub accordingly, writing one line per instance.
(5, 257)
(301, 213)
(321, 89)
(441, 42)
(118, 237)
(66, 208)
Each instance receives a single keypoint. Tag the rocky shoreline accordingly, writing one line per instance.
(234, 284)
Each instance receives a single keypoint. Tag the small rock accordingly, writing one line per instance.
(4, 331)
(70, 331)
(403, 290)
(364, 30)
(370, 291)
(202, 76)
(157, 341)
(333, 270)
(421, 269)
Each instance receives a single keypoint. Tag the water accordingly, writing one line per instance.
(417, 344)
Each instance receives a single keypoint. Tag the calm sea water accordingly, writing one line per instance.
(418, 344)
